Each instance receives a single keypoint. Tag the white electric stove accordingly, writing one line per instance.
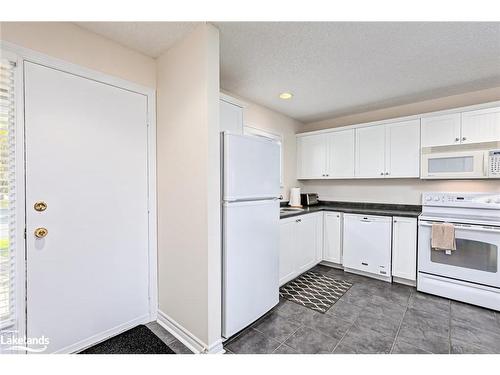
(471, 273)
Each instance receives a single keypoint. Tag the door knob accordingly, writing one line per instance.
(41, 232)
(40, 206)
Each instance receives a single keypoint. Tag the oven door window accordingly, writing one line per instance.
(471, 254)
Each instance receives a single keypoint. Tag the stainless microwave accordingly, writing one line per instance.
(462, 164)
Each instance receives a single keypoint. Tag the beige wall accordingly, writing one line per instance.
(67, 41)
(189, 250)
(263, 118)
(405, 191)
(447, 102)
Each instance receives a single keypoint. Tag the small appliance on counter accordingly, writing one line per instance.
(295, 197)
(309, 199)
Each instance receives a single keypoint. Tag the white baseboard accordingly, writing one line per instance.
(84, 344)
(192, 342)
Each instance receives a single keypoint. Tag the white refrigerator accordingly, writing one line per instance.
(250, 216)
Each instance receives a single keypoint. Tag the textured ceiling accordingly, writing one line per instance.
(150, 38)
(336, 68)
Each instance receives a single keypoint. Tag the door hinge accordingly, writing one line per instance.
(24, 233)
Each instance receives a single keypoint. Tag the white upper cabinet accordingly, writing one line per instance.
(311, 156)
(481, 126)
(440, 130)
(477, 126)
(231, 117)
(388, 151)
(370, 152)
(341, 154)
(402, 155)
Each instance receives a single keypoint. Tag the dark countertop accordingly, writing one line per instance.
(358, 208)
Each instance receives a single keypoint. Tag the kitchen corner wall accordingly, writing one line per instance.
(404, 191)
(188, 156)
(263, 118)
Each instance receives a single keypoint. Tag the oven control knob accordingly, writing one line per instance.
(428, 198)
(436, 198)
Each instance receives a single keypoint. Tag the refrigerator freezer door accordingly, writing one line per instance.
(251, 167)
(250, 262)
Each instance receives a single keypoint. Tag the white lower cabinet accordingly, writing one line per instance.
(288, 249)
(357, 242)
(367, 244)
(301, 244)
(332, 237)
(404, 248)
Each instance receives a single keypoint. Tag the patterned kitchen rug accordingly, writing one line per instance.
(315, 291)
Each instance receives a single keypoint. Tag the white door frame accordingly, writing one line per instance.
(22, 54)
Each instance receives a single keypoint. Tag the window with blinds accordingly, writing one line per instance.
(7, 194)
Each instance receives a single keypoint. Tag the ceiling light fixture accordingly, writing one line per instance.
(285, 95)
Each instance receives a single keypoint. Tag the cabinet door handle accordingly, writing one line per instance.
(386, 173)
(364, 264)
(381, 173)
(464, 139)
(457, 139)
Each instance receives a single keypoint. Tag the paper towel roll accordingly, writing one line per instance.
(295, 197)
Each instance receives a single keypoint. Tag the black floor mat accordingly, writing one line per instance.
(138, 340)
(314, 290)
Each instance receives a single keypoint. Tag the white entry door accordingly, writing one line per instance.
(86, 159)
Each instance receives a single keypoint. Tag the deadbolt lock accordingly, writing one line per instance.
(41, 232)
(40, 206)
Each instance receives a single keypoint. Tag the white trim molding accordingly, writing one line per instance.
(232, 100)
(192, 342)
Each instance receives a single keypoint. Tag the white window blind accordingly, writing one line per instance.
(7, 195)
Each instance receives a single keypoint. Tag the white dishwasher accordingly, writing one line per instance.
(367, 244)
